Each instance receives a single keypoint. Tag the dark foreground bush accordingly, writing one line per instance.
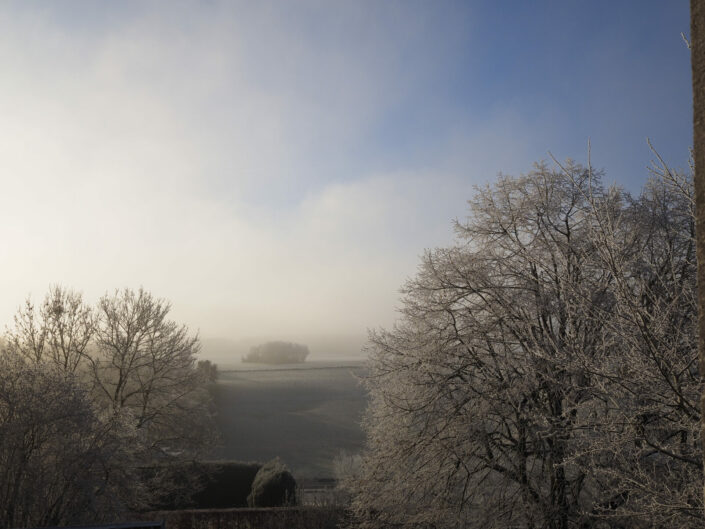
(172, 485)
(203, 484)
(273, 486)
(228, 484)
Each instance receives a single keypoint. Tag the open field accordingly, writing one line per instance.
(304, 413)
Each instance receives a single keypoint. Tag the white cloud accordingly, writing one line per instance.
(212, 156)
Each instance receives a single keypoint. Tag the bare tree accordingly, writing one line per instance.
(649, 455)
(697, 58)
(136, 359)
(58, 333)
(60, 463)
(208, 370)
(145, 364)
(524, 371)
(138, 371)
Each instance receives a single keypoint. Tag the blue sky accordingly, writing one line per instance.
(276, 168)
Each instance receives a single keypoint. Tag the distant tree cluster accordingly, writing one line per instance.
(277, 353)
(544, 372)
(208, 369)
(89, 396)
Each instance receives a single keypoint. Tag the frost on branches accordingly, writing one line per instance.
(544, 371)
(97, 404)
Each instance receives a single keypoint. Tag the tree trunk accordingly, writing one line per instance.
(697, 57)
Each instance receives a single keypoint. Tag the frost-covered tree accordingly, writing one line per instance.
(61, 462)
(648, 456)
(144, 364)
(58, 333)
(136, 368)
(542, 373)
(133, 357)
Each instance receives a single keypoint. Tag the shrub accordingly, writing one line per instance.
(273, 486)
(228, 484)
(205, 484)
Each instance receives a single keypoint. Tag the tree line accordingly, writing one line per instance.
(277, 352)
(544, 371)
(96, 403)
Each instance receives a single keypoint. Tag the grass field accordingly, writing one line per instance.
(305, 414)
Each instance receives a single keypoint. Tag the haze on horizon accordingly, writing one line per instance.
(274, 169)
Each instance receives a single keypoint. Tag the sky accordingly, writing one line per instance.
(276, 169)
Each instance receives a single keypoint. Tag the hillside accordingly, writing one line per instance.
(305, 415)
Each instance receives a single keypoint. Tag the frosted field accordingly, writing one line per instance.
(304, 413)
